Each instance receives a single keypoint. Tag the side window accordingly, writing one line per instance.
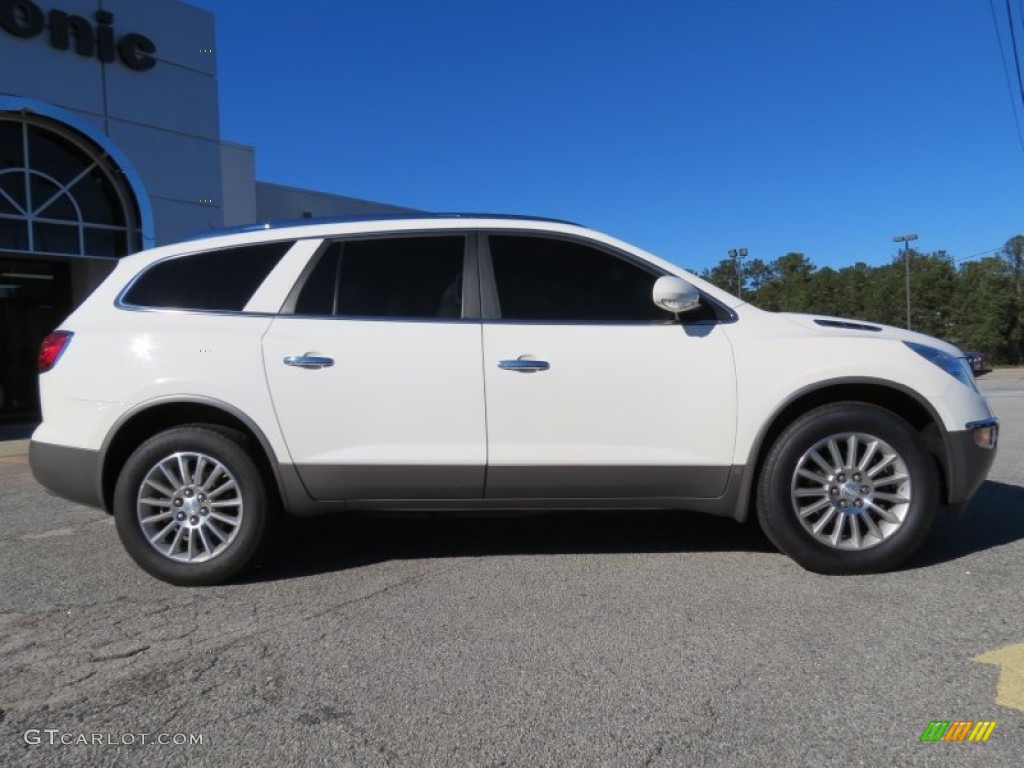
(216, 280)
(547, 279)
(401, 278)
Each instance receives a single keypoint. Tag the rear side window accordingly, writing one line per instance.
(399, 278)
(222, 280)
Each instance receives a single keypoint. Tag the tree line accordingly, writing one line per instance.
(978, 305)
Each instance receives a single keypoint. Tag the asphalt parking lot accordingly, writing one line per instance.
(592, 640)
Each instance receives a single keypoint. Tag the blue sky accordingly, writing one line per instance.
(686, 127)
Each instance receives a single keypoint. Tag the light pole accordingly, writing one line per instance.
(738, 256)
(905, 239)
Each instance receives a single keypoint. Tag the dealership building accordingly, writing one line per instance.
(110, 143)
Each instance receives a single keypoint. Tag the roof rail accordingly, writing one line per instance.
(352, 219)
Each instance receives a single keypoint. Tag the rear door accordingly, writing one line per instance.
(376, 370)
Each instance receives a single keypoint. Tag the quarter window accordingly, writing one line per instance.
(548, 279)
(400, 278)
(222, 280)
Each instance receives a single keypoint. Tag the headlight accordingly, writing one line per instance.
(957, 367)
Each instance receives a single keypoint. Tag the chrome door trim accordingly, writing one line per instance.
(524, 366)
(310, 362)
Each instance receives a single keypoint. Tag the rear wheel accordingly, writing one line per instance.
(191, 505)
(848, 488)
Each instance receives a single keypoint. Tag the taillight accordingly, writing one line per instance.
(52, 348)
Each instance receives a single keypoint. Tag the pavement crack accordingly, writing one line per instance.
(655, 752)
(123, 655)
(176, 711)
(344, 721)
(201, 673)
(81, 679)
(12, 650)
(377, 592)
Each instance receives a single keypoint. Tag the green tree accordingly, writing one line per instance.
(791, 287)
(986, 314)
(724, 275)
(859, 294)
(757, 273)
(979, 306)
(1013, 255)
(933, 290)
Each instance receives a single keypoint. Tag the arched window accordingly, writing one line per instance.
(60, 194)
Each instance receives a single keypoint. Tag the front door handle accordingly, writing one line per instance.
(309, 361)
(524, 366)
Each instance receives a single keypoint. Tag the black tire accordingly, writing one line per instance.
(786, 500)
(240, 515)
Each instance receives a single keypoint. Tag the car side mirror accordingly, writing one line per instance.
(674, 294)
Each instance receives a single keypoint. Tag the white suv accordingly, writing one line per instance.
(470, 362)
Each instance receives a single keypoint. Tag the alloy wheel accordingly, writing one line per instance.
(189, 507)
(851, 491)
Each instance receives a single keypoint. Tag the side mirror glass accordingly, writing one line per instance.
(674, 294)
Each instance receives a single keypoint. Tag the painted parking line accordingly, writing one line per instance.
(1010, 687)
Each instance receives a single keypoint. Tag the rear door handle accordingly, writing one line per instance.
(309, 361)
(524, 366)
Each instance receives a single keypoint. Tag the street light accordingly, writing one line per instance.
(738, 256)
(905, 239)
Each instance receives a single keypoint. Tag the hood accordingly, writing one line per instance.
(825, 325)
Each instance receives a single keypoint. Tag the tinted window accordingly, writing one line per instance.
(408, 277)
(549, 279)
(318, 293)
(222, 280)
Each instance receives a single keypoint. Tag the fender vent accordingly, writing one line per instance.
(847, 324)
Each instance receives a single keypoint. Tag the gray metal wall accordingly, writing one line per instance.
(276, 201)
(247, 201)
(166, 120)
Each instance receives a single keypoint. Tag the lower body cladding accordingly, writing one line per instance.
(75, 474)
(323, 489)
(71, 473)
(970, 456)
(193, 504)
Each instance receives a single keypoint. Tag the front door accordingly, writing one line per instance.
(376, 375)
(592, 391)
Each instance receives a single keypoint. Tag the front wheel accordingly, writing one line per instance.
(191, 505)
(848, 488)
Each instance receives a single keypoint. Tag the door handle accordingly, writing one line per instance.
(309, 361)
(524, 366)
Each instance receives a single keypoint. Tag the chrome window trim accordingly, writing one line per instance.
(169, 311)
(376, 319)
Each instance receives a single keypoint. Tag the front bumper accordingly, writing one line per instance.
(971, 453)
(71, 473)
